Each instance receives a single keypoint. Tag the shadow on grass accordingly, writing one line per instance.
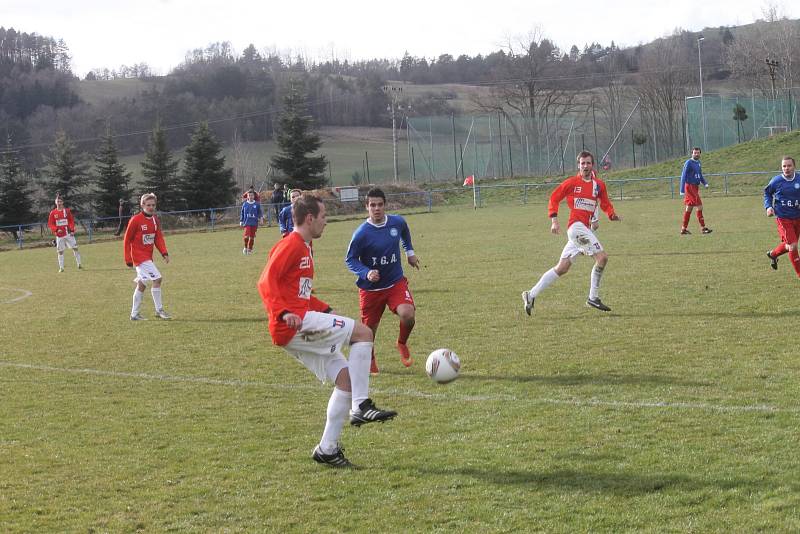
(232, 320)
(623, 484)
(593, 379)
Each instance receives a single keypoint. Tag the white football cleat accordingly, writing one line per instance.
(161, 314)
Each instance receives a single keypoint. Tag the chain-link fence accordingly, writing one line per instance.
(482, 195)
(715, 121)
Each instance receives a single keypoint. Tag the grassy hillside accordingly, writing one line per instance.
(96, 91)
(759, 155)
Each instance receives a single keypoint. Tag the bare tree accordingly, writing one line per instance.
(529, 84)
(662, 84)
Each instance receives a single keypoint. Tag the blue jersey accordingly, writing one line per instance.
(378, 247)
(691, 174)
(285, 222)
(783, 195)
(251, 213)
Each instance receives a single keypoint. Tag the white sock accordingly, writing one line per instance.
(77, 256)
(338, 408)
(156, 292)
(137, 301)
(594, 288)
(60, 261)
(358, 366)
(547, 278)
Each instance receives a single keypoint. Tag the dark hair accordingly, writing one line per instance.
(376, 192)
(584, 154)
(696, 148)
(305, 205)
(789, 158)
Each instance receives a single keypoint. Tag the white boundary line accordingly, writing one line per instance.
(584, 403)
(25, 294)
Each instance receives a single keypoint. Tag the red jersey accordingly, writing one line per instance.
(142, 234)
(285, 285)
(61, 222)
(582, 198)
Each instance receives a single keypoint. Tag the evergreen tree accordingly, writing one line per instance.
(205, 182)
(297, 139)
(16, 206)
(112, 179)
(66, 173)
(160, 171)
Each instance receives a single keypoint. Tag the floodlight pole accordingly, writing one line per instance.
(395, 91)
(702, 96)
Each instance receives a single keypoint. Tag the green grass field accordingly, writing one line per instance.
(677, 411)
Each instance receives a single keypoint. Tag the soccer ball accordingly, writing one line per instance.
(443, 366)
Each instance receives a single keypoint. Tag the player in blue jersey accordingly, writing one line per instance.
(250, 216)
(374, 256)
(285, 223)
(691, 178)
(782, 200)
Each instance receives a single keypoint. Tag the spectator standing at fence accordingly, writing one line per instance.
(249, 218)
(310, 331)
(124, 215)
(374, 257)
(62, 224)
(144, 233)
(251, 187)
(782, 200)
(277, 199)
(691, 178)
(285, 222)
(583, 192)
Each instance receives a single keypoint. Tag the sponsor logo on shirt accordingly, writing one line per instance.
(586, 204)
(393, 232)
(148, 239)
(304, 291)
(61, 222)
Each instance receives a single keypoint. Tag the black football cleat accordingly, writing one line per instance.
(773, 261)
(597, 304)
(369, 413)
(335, 459)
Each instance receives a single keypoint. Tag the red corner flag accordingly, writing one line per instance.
(469, 180)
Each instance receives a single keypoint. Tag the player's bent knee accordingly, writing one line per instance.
(343, 380)
(361, 333)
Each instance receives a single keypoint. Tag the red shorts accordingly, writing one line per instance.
(250, 231)
(788, 229)
(691, 195)
(373, 303)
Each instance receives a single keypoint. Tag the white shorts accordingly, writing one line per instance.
(146, 272)
(580, 240)
(66, 241)
(318, 344)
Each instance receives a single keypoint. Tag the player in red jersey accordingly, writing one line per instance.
(62, 224)
(583, 192)
(143, 233)
(310, 331)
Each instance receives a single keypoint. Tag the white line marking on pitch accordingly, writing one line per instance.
(25, 294)
(593, 402)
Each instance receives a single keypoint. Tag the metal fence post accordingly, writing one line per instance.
(19, 237)
(212, 219)
(430, 202)
(620, 190)
(671, 187)
(726, 184)
(525, 194)
(89, 230)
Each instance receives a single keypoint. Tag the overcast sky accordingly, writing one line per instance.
(110, 33)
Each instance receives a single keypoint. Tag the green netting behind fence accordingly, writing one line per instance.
(757, 118)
